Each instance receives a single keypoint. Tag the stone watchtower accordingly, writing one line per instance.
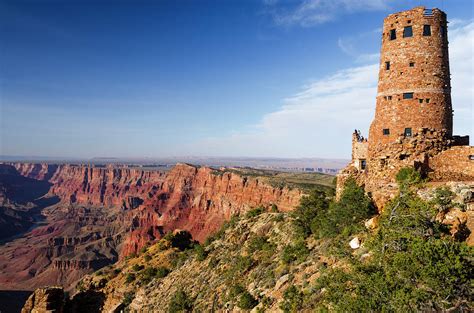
(414, 89)
(413, 123)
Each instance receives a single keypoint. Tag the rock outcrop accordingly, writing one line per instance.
(50, 299)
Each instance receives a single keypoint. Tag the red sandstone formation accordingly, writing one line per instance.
(107, 213)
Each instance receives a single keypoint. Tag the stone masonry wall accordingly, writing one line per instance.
(455, 164)
(418, 64)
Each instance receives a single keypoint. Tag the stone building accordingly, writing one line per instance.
(413, 123)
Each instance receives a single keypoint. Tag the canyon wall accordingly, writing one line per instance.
(107, 213)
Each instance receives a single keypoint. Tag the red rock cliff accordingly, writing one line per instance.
(109, 212)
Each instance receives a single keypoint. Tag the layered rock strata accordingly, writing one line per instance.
(107, 213)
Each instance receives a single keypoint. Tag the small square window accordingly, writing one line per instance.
(420, 100)
(408, 95)
(407, 32)
(407, 132)
(426, 30)
(393, 34)
(412, 64)
(389, 97)
(386, 131)
(427, 100)
(387, 65)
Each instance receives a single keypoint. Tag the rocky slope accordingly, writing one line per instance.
(261, 262)
(107, 213)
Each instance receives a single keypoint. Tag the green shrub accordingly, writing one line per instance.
(129, 278)
(182, 240)
(443, 199)
(345, 216)
(246, 301)
(408, 176)
(295, 253)
(147, 257)
(201, 254)
(260, 243)
(128, 298)
(292, 300)
(137, 267)
(180, 302)
(255, 212)
(312, 207)
(150, 273)
(161, 272)
(143, 249)
(274, 208)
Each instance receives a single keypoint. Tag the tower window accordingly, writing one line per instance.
(387, 65)
(393, 34)
(407, 32)
(427, 100)
(386, 131)
(420, 100)
(363, 164)
(408, 95)
(412, 64)
(389, 97)
(407, 132)
(426, 30)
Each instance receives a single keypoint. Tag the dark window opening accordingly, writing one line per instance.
(427, 100)
(471, 157)
(386, 131)
(408, 95)
(393, 34)
(426, 30)
(421, 100)
(409, 22)
(389, 97)
(407, 132)
(412, 64)
(363, 164)
(387, 65)
(407, 32)
(403, 156)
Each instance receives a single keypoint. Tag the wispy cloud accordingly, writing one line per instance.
(355, 45)
(317, 121)
(309, 13)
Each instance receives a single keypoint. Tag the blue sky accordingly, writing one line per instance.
(209, 78)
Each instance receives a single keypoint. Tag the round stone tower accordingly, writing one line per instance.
(414, 90)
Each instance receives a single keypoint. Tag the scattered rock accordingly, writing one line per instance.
(372, 223)
(281, 281)
(355, 243)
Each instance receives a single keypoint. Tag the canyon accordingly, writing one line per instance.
(72, 220)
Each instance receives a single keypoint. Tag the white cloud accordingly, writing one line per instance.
(318, 120)
(313, 12)
(355, 45)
